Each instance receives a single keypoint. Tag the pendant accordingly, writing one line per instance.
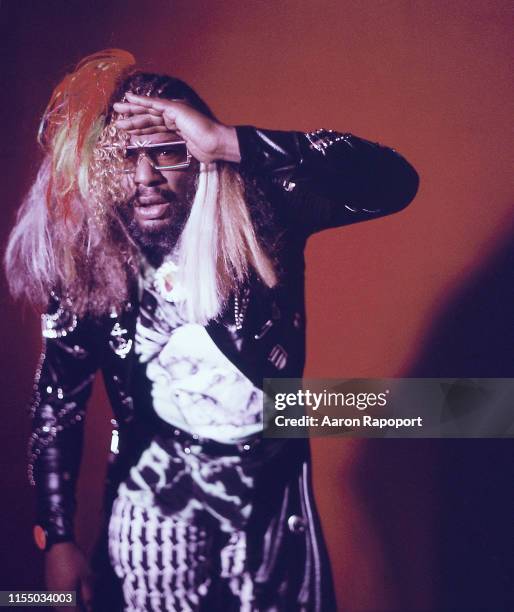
(166, 284)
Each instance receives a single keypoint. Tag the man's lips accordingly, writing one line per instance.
(151, 207)
(150, 198)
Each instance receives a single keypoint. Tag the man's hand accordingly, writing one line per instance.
(206, 139)
(66, 569)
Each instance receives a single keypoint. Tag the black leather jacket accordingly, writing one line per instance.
(313, 181)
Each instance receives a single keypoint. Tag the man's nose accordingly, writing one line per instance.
(146, 174)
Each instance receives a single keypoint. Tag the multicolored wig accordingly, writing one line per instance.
(70, 236)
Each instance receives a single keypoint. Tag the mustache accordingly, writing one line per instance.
(152, 192)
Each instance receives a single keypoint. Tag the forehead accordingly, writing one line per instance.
(154, 137)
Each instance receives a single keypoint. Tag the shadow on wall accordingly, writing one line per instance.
(475, 338)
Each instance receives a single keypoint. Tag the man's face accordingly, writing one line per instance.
(161, 199)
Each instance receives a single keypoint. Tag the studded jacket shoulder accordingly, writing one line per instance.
(318, 180)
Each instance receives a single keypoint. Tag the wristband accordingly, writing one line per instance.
(44, 540)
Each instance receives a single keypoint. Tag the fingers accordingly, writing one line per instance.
(150, 130)
(142, 118)
(142, 115)
(126, 108)
(138, 122)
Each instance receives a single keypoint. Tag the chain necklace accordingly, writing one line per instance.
(240, 307)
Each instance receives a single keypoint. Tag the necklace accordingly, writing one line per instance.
(240, 306)
(165, 282)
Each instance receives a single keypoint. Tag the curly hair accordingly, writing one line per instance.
(70, 236)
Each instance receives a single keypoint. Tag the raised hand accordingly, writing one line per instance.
(207, 139)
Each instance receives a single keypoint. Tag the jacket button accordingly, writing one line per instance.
(296, 524)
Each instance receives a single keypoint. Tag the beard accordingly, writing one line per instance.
(158, 238)
(155, 245)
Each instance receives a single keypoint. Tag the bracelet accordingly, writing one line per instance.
(44, 540)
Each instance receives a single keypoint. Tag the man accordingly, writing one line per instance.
(171, 247)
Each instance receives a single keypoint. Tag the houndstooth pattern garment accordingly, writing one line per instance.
(178, 523)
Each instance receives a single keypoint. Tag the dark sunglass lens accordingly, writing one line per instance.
(170, 155)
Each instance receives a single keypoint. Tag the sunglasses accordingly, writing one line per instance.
(172, 155)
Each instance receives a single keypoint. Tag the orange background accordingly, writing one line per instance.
(425, 292)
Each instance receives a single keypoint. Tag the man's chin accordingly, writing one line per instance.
(156, 237)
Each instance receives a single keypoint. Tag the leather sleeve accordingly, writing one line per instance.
(329, 178)
(62, 386)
